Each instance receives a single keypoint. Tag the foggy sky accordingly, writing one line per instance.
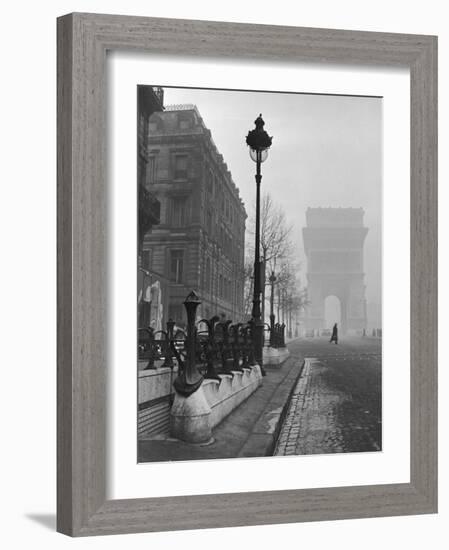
(327, 151)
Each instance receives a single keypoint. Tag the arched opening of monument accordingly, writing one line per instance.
(332, 311)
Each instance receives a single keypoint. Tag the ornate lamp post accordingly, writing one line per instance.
(272, 281)
(259, 142)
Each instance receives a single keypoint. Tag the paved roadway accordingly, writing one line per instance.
(336, 404)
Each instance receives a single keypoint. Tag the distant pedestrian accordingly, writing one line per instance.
(334, 337)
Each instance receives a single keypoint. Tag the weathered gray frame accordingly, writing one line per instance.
(83, 40)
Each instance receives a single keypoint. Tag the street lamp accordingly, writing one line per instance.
(259, 142)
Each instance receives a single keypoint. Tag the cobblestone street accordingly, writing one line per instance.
(336, 404)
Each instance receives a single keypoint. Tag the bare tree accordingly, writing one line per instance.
(291, 297)
(275, 232)
(275, 239)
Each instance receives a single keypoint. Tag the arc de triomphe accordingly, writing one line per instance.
(333, 243)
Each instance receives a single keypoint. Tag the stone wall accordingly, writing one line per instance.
(221, 397)
(155, 396)
(192, 418)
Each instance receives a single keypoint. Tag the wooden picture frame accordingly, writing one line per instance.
(83, 40)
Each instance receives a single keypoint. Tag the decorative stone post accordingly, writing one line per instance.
(189, 379)
(190, 413)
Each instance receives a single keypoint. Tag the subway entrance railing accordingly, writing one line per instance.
(205, 348)
(177, 360)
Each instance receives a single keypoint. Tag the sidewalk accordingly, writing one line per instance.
(249, 431)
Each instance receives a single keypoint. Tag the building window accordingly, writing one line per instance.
(181, 167)
(155, 124)
(179, 212)
(176, 265)
(151, 170)
(185, 123)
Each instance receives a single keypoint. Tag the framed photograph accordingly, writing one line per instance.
(247, 281)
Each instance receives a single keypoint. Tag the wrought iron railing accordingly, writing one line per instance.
(206, 349)
(277, 335)
(218, 347)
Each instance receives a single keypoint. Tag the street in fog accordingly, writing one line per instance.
(336, 404)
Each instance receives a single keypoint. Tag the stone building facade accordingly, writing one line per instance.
(199, 242)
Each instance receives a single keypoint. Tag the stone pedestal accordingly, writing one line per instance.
(274, 357)
(190, 418)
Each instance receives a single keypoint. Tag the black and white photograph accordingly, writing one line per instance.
(259, 274)
(231, 297)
